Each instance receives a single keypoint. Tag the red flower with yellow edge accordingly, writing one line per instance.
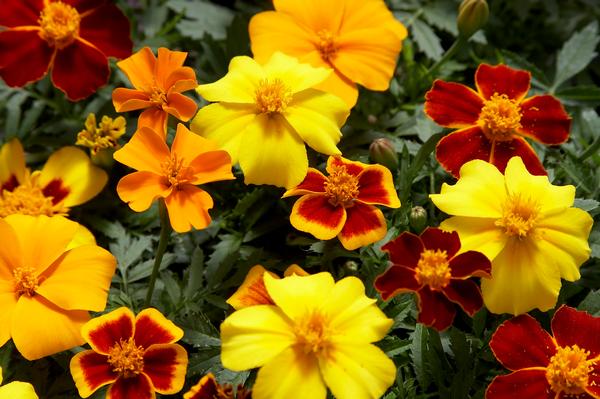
(173, 175)
(430, 265)
(74, 38)
(566, 366)
(158, 83)
(137, 355)
(493, 121)
(209, 388)
(341, 204)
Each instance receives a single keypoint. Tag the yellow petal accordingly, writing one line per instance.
(188, 206)
(368, 14)
(295, 269)
(477, 234)
(18, 390)
(8, 302)
(238, 85)
(140, 189)
(314, 14)
(82, 237)
(11, 255)
(252, 291)
(292, 73)
(340, 86)
(12, 162)
(145, 151)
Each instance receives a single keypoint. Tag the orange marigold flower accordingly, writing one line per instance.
(74, 38)
(430, 266)
(209, 388)
(545, 367)
(493, 121)
(173, 175)
(137, 355)
(158, 83)
(341, 204)
(359, 39)
(52, 274)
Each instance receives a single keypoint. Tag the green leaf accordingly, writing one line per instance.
(418, 348)
(580, 94)
(202, 17)
(586, 204)
(591, 303)
(427, 40)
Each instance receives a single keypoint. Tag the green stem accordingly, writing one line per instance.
(165, 232)
(458, 43)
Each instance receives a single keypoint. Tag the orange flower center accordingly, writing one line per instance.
(341, 187)
(26, 281)
(59, 23)
(175, 171)
(272, 96)
(26, 200)
(519, 216)
(433, 269)
(500, 117)
(569, 370)
(126, 358)
(158, 97)
(326, 45)
(312, 334)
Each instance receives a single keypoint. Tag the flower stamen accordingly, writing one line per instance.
(519, 216)
(326, 45)
(175, 171)
(312, 334)
(433, 269)
(500, 117)
(126, 358)
(569, 370)
(26, 199)
(26, 281)
(59, 23)
(341, 187)
(272, 96)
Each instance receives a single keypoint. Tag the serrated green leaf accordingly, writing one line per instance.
(202, 17)
(586, 204)
(428, 42)
(580, 94)
(418, 348)
(591, 303)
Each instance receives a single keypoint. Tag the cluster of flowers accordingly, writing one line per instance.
(509, 225)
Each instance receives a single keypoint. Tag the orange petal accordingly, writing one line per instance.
(181, 79)
(153, 328)
(188, 145)
(145, 151)
(167, 62)
(252, 291)
(103, 332)
(155, 119)
(310, 13)
(502, 79)
(364, 225)
(180, 106)
(313, 183)
(91, 371)
(129, 99)
(453, 104)
(362, 14)
(165, 365)
(140, 189)
(212, 166)
(376, 186)
(8, 302)
(341, 86)
(188, 206)
(139, 68)
(315, 215)
(544, 119)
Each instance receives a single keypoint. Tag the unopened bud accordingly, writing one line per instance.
(382, 151)
(472, 16)
(418, 218)
(372, 119)
(351, 266)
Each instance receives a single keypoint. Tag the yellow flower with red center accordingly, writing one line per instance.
(493, 121)
(359, 39)
(209, 388)
(17, 390)
(318, 334)
(545, 367)
(265, 114)
(158, 83)
(67, 179)
(526, 226)
(136, 355)
(51, 274)
(173, 175)
(341, 204)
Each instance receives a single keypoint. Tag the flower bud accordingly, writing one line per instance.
(418, 218)
(472, 16)
(382, 151)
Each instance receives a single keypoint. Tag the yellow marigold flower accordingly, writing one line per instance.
(17, 390)
(359, 39)
(317, 334)
(265, 114)
(104, 135)
(526, 226)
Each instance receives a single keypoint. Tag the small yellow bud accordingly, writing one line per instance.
(472, 16)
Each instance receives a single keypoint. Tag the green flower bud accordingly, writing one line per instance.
(418, 218)
(382, 151)
(472, 16)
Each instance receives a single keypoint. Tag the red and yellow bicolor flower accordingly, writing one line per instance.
(493, 121)
(209, 388)
(67, 179)
(137, 355)
(342, 204)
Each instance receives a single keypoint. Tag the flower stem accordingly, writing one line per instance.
(165, 232)
(458, 43)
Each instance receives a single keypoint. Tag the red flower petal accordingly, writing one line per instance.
(315, 215)
(521, 343)
(314, 182)
(24, 57)
(405, 250)
(435, 310)
(104, 331)
(453, 104)
(505, 150)
(138, 387)
(544, 119)
(91, 371)
(575, 327)
(376, 187)
(20, 13)
(84, 5)
(151, 327)
(470, 263)
(434, 238)
(79, 70)
(364, 225)
(502, 79)
(165, 365)
(462, 146)
(594, 380)
(352, 167)
(466, 294)
(584, 395)
(56, 189)
(395, 280)
(520, 384)
(10, 184)
(107, 28)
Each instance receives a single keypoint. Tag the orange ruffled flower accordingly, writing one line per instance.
(359, 39)
(209, 388)
(51, 274)
(137, 355)
(493, 121)
(74, 38)
(158, 84)
(342, 203)
(544, 367)
(172, 175)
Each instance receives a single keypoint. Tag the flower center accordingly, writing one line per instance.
(519, 216)
(59, 23)
(341, 187)
(103, 136)
(500, 117)
(272, 96)
(158, 97)
(569, 370)
(26, 200)
(126, 358)
(26, 281)
(175, 171)
(433, 269)
(326, 45)
(312, 334)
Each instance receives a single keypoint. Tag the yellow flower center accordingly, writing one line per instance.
(158, 97)
(175, 171)
(126, 358)
(500, 117)
(433, 269)
(312, 334)
(104, 135)
(341, 187)
(59, 23)
(26, 281)
(519, 216)
(569, 370)
(272, 96)
(326, 45)
(26, 200)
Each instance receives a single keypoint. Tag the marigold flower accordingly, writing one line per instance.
(265, 115)
(430, 266)
(53, 273)
(341, 204)
(137, 355)
(545, 367)
(173, 175)
(73, 38)
(17, 390)
(102, 136)
(526, 226)
(493, 120)
(360, 40)
(209, 388)
(158, 83)
(67, 179)
(319, 333)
